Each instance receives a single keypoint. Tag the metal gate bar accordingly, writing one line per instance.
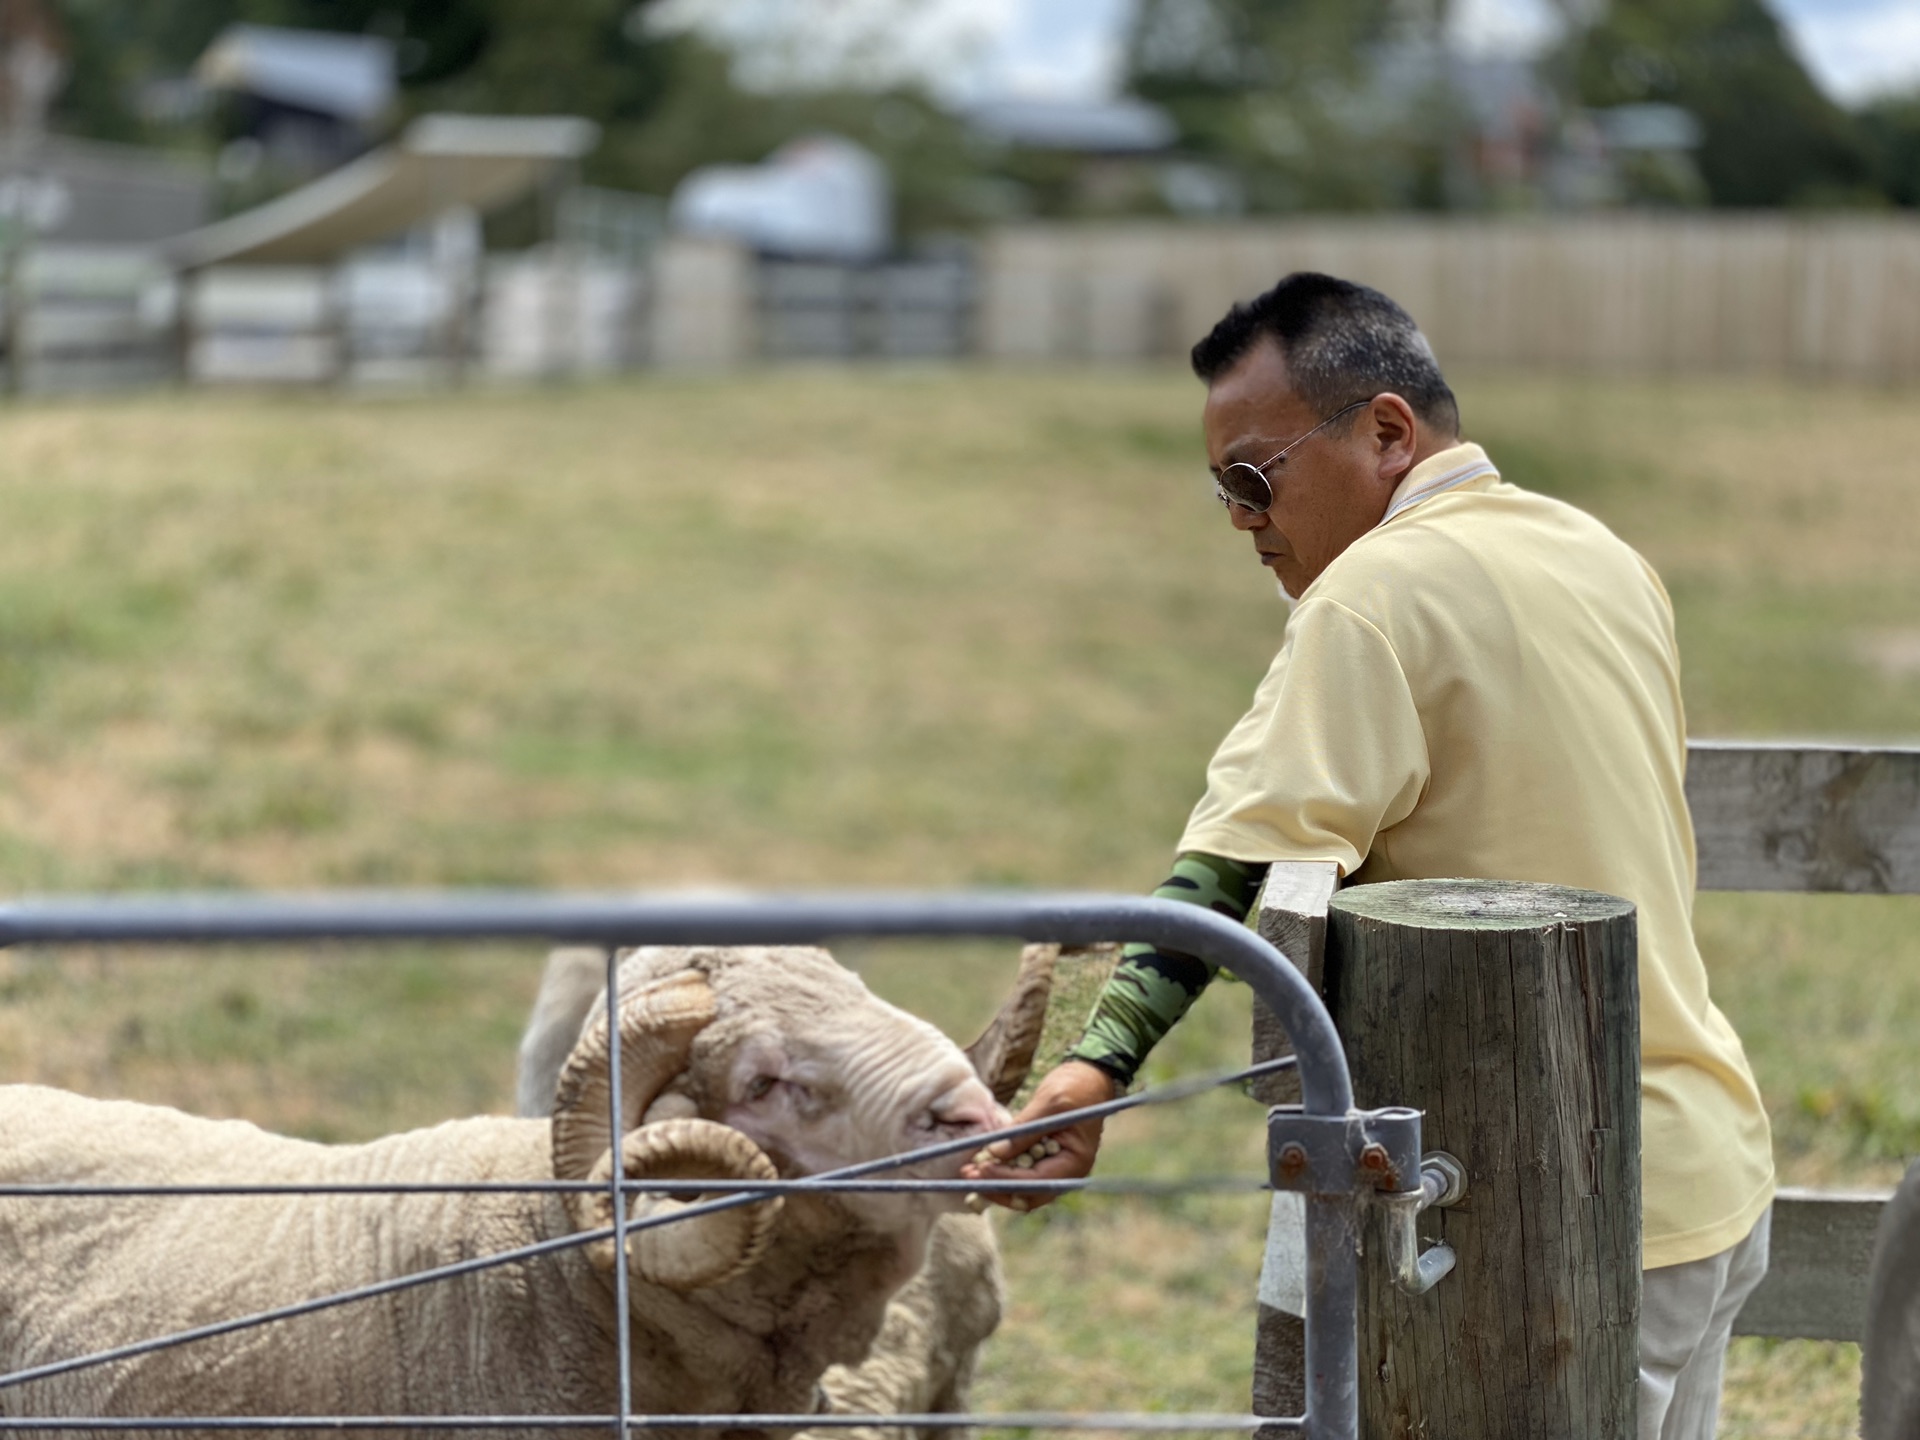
(1324, 1137)
(1092, 1185)
(944, 1420)
(847, 1178)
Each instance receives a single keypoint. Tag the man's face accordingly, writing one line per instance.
(1330, 490)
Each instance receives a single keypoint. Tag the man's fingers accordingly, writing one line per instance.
(1066, 1154)
(1011, 1158)
(1020, 1154)
(1044, 1159)
(1014, 1200)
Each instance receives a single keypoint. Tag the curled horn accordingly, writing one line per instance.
(708, 1249)
(658, 1024)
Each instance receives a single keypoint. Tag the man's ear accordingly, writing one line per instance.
(1396, 435)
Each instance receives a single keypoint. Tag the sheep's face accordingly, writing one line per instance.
(820, 1073)
(748, 1063)
(817, 1104)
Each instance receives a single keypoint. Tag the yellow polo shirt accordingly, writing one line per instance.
(1487, 684)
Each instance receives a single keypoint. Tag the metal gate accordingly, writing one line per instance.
(1339, 1157)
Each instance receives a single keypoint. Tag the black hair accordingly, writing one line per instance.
(1343, 342)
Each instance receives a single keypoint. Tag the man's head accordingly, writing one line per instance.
(1287, 361)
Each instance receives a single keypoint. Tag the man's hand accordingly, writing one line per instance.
(1065, 1155)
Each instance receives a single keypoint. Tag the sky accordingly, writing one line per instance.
(1070, 49)
(1857, 48)
(962, 49)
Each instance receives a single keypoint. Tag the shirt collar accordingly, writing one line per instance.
(1448, 469)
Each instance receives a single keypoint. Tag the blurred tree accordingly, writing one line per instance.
(1312, 104)
(577, 56)
(667, 101)
(439, 37)
(97, 98)
(1892, 129)
(120, 49)
(1289, 95)
(1771, 137)
(700, 117)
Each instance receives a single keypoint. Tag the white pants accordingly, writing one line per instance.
(1686, 1318)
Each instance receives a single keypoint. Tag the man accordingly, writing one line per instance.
(1475, 680)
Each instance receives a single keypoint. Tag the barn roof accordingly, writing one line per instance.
(351, 76)
(439, 162)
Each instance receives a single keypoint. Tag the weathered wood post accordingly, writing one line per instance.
(185, 323)
(1509, 1013)
(1293, 918)
(13, 287)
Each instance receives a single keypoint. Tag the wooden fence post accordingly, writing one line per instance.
(1293, 919)
(1509, 1013)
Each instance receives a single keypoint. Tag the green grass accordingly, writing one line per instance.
(329, 1044)
(927, 628)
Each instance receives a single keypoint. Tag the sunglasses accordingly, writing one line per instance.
(1246, 485)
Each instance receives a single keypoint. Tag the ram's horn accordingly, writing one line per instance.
(657, 1026)
(1004, 1053)
(706, 1249)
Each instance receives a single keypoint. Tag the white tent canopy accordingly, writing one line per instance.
(439, 162)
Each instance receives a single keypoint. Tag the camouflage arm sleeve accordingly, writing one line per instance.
(1150, 988)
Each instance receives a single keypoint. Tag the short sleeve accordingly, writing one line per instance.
(1331, 753)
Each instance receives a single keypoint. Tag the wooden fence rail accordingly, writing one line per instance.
(1809, 818)
(1797, 817)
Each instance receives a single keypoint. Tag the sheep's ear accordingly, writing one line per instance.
(1003, 1054)
(575, 977)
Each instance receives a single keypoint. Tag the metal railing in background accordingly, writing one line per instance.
(1324, 1147)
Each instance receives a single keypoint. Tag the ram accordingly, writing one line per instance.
(748, 1063)
(924, 1357)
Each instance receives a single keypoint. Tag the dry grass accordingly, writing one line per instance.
(1791, 1390)
(925, 628)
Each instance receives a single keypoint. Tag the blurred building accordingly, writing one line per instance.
(792, 258)
(1511, 142)
(1119, 156)
(820, 197)
(304, 101)
(1124, 126)
(1650, 151)
(56, 189)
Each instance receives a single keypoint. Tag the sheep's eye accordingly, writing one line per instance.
(760, 1085)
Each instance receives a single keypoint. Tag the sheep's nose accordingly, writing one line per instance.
(969, 1107)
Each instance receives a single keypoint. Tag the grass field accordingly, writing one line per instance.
(870, 628)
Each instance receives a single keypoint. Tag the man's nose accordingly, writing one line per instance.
(1245, 519)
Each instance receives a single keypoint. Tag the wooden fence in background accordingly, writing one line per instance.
(1825, 297)
(84, 317)
(1766, 293)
